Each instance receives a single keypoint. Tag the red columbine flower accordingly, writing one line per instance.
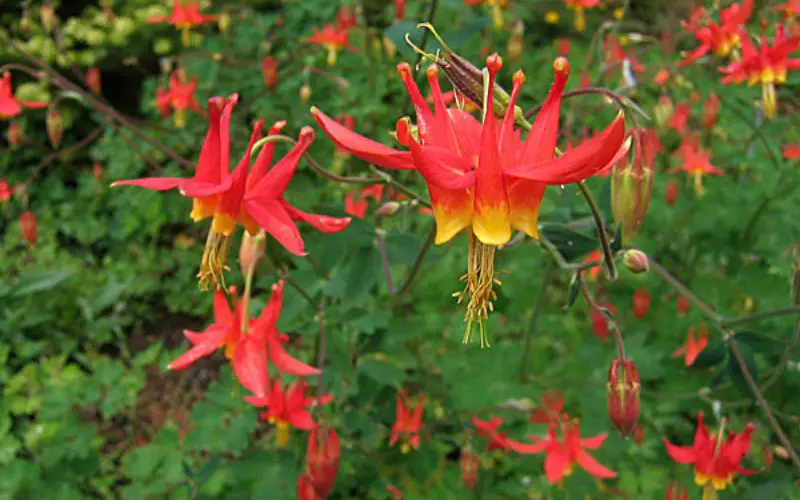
(185, 16)
(549, 410)
(790, 8)
(179, 96)
(10, 105)
(483, 177)
(720, 38)
(593, 273)
(93, 80)
(671, 192)
(680, 117)
(580, 6)
(253, 199)
(250, 348)
(710, 111)
(322, 459)
(562, 455)
(791, 151)
(287, 408)
(333, 38)
(469, 465)
(355, 203)
(681, 306)
(399, 9)
(641, 302)
(768, 66)
(408, 424)
(487, 429)
(716, 462)
(616, 57)
(623, 396)
(5, 190)
(693, 346)
(28, 227)
(662, 76)
(696, 162)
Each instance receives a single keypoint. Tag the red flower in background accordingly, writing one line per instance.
(580, 6)
(496, 7)
(696, 162)
(249, 348)
(790, 8)
(469, 465)
(716, 462)
(671, 192)
(93, 80)
(355, 203)
(399, 9)
(487, 429)
(593, 273)
(710, 111)
(5, 190)
(693, 346)
(680, 117)
(549, 410)
(9, 105)
(179, 96)
(408, 424)
(269, 68)
(676, 491)
(322, 459)
(562, 455)
(767, 66)
(600, 321)
(333, 38)
(616, 55)
(662, 77)
(28, 227)
(791, 151)
(287, 408)
(185, 15)
(681, 305)
(720, 38)
(641, 302)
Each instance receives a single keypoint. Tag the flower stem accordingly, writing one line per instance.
(537, 308)
(415, 267)
(608, 255)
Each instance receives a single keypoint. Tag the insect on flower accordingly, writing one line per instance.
(716, 460)
(481, 176)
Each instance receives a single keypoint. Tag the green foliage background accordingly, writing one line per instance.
(91, 315)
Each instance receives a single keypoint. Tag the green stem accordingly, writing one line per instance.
(761, 316)
(537, 308)
(415, 267)
(608, 255)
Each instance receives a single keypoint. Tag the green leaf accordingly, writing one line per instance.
(33, 281)
(569, 243)
(381, 370)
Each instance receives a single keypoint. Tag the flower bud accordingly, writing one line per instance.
(623, 395)
(638, 435)
(563, 46)
(224, 22)
(269, 67)
(98, 171)
(322, 459)
(399, 9)
(305, 489)
(516, 42)
(5, 190)
(663, 110)
(632, 183)
(710, 111)
(93, 80)
(671, 192)
(305, 93)
(676, 491)
(55, 128)
(14, 134)
(641, 303)
(469, 468)
(389, 209)
(682, 305)
(27, 226)
(48, 17)
(636, 261)
(251, 250)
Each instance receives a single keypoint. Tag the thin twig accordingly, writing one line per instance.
(322, 352)
(415, 267)
(387, 268)
(608, 255)
(94, 134)
(686, 292)
(612, 325)
(761, 316)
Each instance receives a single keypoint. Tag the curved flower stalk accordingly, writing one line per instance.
(481, 175)
(252, 198)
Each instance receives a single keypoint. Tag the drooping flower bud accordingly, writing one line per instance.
(682, 305)
(55, 128)
(5, 191)
(563, 46)
(641, 302)
(388, 209)
(663, 110)
(251, 250)
(98, 171)
(269, 67)
(14, 134)
(632, 183)
(399, 9)
(305, 489)
(638, 435)
(305, 93)
(671, 192)
(676, 491)
(28, 227)
(515, 42)
(322, 459)
(469, 467)
(710, 111)
(48, 17)
(93, 80)
(623, 395)
(636, 261)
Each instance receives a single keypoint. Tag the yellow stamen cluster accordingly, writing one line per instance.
(479, 289)
(215, 254)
